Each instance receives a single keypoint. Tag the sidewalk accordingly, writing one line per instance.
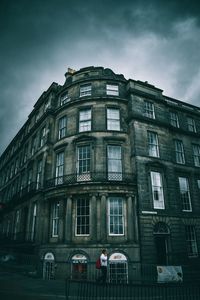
(17, 286)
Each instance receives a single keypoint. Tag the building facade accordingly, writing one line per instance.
(103, 162)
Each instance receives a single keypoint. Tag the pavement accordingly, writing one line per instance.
(21, 287)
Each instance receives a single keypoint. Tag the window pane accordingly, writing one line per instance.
(113, 119)
(149, 110)
(82, 217)
(116, 216)
(179, 151)
(157, 190)
(59, 167)
(85, 90)
(185, 194)
(114, 163)
(112, 90)
(85, 120)
(55, 219)
(196, 154)
(62, 127)
(153, 144)
(191, 124)
(83, 163)
(174, 119)
(191, 241)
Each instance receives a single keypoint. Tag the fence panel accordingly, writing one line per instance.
(84, 290)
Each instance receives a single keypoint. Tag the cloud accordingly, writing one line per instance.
(154, 41)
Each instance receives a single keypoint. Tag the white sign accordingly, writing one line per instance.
(79, 258)
(117, 257)
(170, 274)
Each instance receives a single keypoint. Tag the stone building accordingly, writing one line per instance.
(103, 162)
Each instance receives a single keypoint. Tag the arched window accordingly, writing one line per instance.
(79, 267)
(49, 266)
(118, 268)
(161, 228)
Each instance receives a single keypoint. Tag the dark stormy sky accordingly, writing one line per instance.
(154, 40)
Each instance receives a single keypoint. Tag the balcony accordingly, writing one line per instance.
(91, 177)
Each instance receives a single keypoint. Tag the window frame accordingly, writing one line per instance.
(113, 162)
(85, 90)
(196, 154)
(85, 121)
(179, 152)
(42, 136)
(82, 217)
(55, 219)
(191, 240)
(174, 120)
(149, 109)
(153, 144)
(83, 162)
(120, 217)
(112, 89)
(62, 127)
(191, 124)
(59, 169)
(113, 123)
(64, 98)
(33, 224)
(39, 174)
(157, 190)
(183, 199)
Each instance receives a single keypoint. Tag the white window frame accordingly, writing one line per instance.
(174, 119)
(191, 241)
(185, 194)
(191, 124)
(149, 109)
(39, 174)
(113, 119)
(64, 98)
(86, 90)
(118, 269)
(85, 119)
(84, 162)
(34, 145)
(55, 219)
(82, 217)
(60, 161)
(114, 161)
(62, 127)
(196, 154)
(157, 190)
(33, 225)
(42, 136)
(112, 89)
(116, 216)
(153, 144)
(179, 152)
(16, 165)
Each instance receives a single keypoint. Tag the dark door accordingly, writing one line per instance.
(161, 249)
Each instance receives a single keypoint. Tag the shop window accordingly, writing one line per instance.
(79, 267)
(118, 268)
(49, 266)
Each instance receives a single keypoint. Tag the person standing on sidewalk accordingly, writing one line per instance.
(104, 265)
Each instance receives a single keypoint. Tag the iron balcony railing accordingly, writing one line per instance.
(91, 177)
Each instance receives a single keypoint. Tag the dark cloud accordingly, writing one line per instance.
(153, 40)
